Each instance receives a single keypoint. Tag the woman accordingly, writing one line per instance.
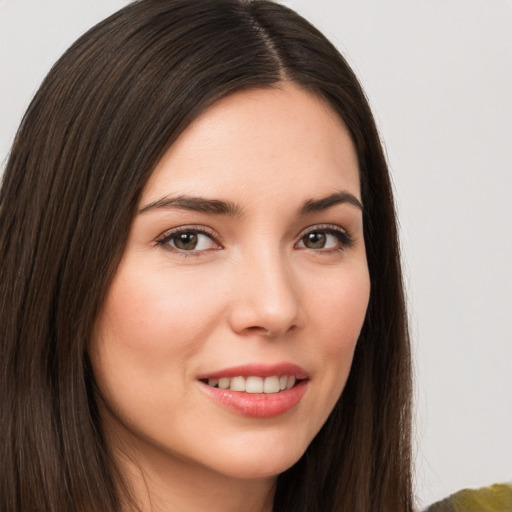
(198, 245)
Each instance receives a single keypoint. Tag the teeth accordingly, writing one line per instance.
(254, 384)
(271, 385)
(223, 383)
(237, 384)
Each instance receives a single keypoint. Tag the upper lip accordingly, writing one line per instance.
(257, 369)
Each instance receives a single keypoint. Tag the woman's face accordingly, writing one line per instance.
(246, 259)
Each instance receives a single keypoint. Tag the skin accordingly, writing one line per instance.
(254, 290)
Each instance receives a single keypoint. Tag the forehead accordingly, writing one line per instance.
(279, 143)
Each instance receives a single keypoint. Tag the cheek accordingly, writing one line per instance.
(149, 335)
(150, 314)
(338, 314)
(146, 340)
(340, 305)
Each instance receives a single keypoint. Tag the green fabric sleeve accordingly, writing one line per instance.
(441, 506)
(496, 498)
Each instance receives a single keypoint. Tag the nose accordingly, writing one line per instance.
(266, 300)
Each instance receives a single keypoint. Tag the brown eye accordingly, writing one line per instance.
(188, 240)
(325, 239)
(315, 240)
(185, 241)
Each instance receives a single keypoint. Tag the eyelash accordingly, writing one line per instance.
(164, 239)
(344, 238)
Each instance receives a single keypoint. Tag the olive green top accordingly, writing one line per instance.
(496, 498)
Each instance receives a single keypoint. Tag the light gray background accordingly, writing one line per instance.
(438, 74)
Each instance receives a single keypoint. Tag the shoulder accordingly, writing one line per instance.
(495, 498)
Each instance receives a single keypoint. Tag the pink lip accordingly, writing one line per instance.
(257, 405)
(260, 370)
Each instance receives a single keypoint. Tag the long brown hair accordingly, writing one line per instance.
(90, 139)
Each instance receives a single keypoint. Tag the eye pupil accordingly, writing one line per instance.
(315, 240)
(186, 241)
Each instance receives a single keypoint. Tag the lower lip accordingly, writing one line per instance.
(258, 405)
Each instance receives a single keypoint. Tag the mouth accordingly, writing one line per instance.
(257, 390)
(254, 384)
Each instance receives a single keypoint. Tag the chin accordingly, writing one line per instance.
(261, 462)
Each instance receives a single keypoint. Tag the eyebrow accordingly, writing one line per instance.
(228, 208)
(319, 205)
(195, 204)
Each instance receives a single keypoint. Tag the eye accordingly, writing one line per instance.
(188, 239)
(325, 239)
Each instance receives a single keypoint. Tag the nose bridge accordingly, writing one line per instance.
(267, 300)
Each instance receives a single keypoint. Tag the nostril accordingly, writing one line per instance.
(269, 311)
(258, 330)
(268, 331)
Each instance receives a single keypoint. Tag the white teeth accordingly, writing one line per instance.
(237, 384)
(271, 385)
(291, 382)
(224, 383)
(254, 384)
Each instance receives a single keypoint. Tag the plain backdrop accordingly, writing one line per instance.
(438, 74)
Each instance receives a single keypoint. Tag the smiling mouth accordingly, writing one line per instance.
(254, 384)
